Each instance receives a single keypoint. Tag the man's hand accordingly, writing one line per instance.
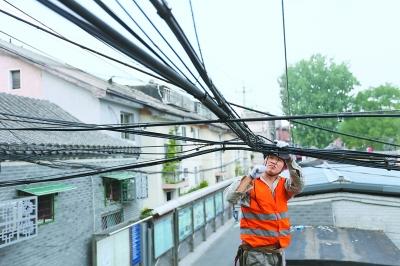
(257, 171)
(285, 156)
(281, 144)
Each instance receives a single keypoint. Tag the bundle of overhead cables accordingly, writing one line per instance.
(159, 65)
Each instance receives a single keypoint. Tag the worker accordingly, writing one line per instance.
(263, 195)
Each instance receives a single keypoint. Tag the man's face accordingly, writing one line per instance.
(274, 165)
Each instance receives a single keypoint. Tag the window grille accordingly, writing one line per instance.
(142, 189)
(18, 220)
(112, 219)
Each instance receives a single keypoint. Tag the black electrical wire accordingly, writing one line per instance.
(109, 35)
(157, 47)
(27, 44)
(86, 48)
(166, 41)
(91, 127)
(165, 13)
(127, 28)
(313, 126)
(41, 23)
(321, 128)
(213, 121)
(131, 50)
(110, 169)
(26, 14)
(382, 164)
(195, 31)
(285, 50)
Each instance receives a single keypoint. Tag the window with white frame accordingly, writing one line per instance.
(125, 119)
(15, 77)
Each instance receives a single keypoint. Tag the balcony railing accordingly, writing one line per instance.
(174, 182)
(174, 230)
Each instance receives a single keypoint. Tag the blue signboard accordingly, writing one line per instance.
(135, 244)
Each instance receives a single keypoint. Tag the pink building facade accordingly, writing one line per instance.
(30, 77)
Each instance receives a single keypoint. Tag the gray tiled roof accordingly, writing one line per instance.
(17, 142)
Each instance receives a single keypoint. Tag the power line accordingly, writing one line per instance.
(112, 127)
(107, 169)
(195, 31)
(381, 163)
(38, 21)
(19, 40)
(166, 41)
(284, 45)
(322, 128)
(41, 23)
(127, 28)
(213, 121)
(95, 26)
(156, 46)
(85, 47)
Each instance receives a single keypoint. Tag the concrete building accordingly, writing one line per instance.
(346, 196)
(45, 222)
(96, 101)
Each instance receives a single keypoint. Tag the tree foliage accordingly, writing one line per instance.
(384, 97)
(316, 85)
(169, 168)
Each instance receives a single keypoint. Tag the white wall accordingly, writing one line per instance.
(79, 102)
(110, 114)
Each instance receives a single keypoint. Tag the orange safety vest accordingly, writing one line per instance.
(266, 221)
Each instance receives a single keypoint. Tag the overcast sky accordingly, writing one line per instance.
(242, 41)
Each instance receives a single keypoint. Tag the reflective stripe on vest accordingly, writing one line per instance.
(272, 216)
(260, 232)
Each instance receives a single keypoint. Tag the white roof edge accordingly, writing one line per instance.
(173, 204)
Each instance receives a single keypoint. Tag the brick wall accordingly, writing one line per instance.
(67, 240)
(319, 213)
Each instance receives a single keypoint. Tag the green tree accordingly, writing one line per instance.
(316, 85)
(169, 168)
(385, 97)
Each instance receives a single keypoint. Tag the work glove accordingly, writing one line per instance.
(281, 144)
(284, 155)
(257, 171)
